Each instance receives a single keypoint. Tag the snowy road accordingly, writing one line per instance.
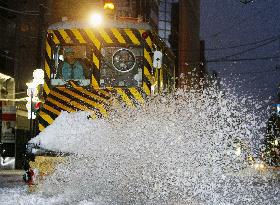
(14, 191)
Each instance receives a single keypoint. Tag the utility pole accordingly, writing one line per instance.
(41, 32)
(189, 65)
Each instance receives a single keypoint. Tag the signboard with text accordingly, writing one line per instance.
(8, 122)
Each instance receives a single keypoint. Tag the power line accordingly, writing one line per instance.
(242, 45)
(247, 50)
(241, 21)
(241, 59)
(8, 57)
(19, 12)
(232, 46)
(250, 73)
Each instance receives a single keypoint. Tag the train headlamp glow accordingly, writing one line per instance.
(96, 19)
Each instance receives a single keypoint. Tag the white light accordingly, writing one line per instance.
(96, 19)
(38, 76)
(31, 85)
(238, 151)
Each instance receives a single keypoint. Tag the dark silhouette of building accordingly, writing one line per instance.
(7, 34)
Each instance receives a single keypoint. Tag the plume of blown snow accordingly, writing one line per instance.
(176, 149)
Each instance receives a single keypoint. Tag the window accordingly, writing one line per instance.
(71, 63)
(121, 67)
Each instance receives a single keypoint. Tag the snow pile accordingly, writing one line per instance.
(71, 132)
(177, 149)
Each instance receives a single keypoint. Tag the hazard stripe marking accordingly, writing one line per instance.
(51, 109)
(78, 36)
(124, 97)
(147, 57)
(115, 41)
(54, 39)
(137, 95)
(93, 38)
(90, 94)
(147, 74)
(105, 36)
(118, 35)
(146, 88)
(132, 37)
(46, 117)
(65, 36)
(48, 49)
(84, 99)
(46, 88)
(41, 127)
(125, 36)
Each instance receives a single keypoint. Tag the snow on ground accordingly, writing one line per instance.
(176, 149)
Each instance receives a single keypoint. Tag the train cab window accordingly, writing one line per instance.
(71, 63)
(121, 67)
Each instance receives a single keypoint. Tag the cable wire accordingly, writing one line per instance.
(247, 50)
(241, 21)
(241, 59)
(19, 12)
(243, 45)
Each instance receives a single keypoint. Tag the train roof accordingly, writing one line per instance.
(107, 24)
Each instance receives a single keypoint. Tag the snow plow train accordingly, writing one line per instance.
(90, 68)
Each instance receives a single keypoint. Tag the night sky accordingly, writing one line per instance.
(229, 23)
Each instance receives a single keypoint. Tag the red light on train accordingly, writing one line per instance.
(145, 35)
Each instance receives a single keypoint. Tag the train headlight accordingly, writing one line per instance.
(123, 60)
(96, 19)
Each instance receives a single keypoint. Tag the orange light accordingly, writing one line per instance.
(109, 5)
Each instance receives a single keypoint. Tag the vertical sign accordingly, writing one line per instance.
(8, 124)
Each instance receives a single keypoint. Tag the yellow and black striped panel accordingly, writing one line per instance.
(94, 98)
(71, 100)
(80, 98)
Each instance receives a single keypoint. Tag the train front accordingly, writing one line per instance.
(89, 68)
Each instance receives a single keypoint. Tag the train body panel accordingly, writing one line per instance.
(117, 67)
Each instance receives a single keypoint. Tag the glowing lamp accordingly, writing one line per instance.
(145, 35)
(109, 5)
(96, 19)
(37, 105)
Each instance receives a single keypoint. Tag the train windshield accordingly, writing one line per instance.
(71, 63)
(121, 67)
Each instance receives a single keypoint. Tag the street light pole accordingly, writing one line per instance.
(30, 121)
